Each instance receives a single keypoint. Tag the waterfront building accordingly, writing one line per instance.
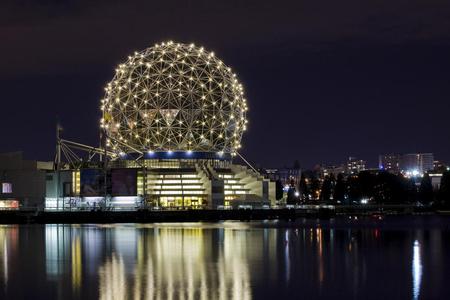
(22, 182)
(435, 180)
(172, 120)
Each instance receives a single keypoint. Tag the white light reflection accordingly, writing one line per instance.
(8, 241)
(286, 256)
(5, 261)
(112, 279)
(57, 249)
(416, 270)
(170, 264)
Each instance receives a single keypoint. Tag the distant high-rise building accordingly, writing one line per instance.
(416, 163)
(287, 176)
(389, 162)
(354, 166)
(329, 170)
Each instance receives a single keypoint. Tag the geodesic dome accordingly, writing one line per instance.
(174, 97)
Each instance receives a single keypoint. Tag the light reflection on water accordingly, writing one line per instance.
(165, 263)
(228, 260)
(417, 270)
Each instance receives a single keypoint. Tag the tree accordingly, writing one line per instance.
(354, 190)
(339, 189)
(426, 190)
(411, 190)
(444, 191)
(278, 189)
(391, 188)
(327, 186)
(367, 182)
(303, 188)
(291, 198)
(315, 188)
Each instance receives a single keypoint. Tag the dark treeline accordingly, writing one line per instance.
(370, 188)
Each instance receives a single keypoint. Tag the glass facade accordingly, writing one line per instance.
(156, 184)
(182, 189)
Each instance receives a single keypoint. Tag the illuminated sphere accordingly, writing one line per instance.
(174, 97)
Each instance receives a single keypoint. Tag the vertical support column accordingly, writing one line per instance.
(105, 170)
(58, 162)
(144, 185)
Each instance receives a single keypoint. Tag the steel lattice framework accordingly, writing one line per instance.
(174, 97)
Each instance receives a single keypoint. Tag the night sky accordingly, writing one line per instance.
(324, 79)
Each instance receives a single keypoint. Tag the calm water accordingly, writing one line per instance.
(229, 260)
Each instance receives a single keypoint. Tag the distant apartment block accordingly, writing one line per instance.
(389, 162)
(412, 163)
(354, 165)
(416, 162)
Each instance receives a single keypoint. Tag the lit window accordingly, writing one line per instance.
(192, 187)
(190, 181)
(172, 181)
(6, 188)
(9, 204)
(189, 175)
(171, 187)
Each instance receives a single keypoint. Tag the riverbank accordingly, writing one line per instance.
(151, 216)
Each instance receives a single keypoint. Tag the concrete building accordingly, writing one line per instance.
(389, 162)
(159, 183)
(419, 163)
(22, 182)
(409, 164)
(436, 180)
(354, 165)
(333, 170)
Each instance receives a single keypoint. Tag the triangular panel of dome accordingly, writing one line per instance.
(190, 115)
(148, 115)
(169, 115)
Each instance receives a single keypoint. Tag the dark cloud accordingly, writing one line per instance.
(42, 36)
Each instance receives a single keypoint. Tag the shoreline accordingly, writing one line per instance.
(377, 214)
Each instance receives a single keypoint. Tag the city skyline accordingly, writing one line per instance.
(357, 80)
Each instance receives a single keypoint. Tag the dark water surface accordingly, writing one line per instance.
(408, 258)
